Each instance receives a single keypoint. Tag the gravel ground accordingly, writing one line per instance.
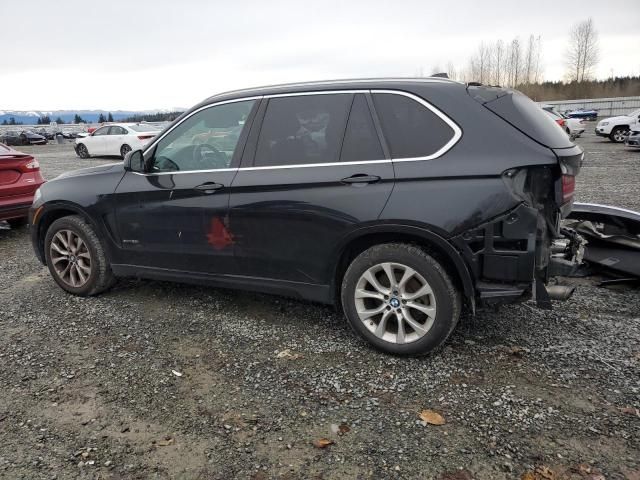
(159, 380)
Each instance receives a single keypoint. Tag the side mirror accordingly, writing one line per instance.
(134, 161)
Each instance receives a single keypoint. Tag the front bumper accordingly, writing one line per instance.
(601, 132)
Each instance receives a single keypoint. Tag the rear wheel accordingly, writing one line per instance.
(76, 258)
(124, 149)
(619, 134)
(400, 299)
(82, 151)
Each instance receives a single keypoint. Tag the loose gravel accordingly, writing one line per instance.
(159, 380)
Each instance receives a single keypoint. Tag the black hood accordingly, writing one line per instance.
(92, 170)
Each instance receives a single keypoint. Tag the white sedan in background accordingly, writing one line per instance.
(115, 139)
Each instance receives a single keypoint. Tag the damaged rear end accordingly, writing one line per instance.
(511, 255)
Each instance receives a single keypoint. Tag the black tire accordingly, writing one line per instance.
(82, 151)
(124, 149)
(100, 277)
(18, 222)
(447, 297)
(24, 140)
(619, 134)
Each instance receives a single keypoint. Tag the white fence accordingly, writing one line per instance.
(606, 107)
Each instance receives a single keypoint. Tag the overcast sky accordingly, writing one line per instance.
(130, 54)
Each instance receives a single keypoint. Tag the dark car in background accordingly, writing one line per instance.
(399, 201)
(24, 137)
(19, 179)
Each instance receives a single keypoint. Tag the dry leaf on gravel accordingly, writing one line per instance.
(176, 373)
(545, 472)
(528, 476)
(631, 411)
(287, 354)
(166, 442)
(344, 428)
(432, 418)
(322, 443)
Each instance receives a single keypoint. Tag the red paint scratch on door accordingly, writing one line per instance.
(219, 237)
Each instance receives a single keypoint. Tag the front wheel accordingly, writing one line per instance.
(619, 134)
(76, 258)
(400, 299)
(82, 151)
(124, 149)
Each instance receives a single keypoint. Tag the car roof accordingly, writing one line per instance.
(344, 84)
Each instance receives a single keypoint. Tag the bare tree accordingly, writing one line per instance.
(451, 71)
(582, 54)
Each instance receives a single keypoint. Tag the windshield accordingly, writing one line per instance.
(144, 128)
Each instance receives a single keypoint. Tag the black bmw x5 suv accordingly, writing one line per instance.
(399, 201)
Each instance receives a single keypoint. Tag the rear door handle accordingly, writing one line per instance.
(360, 178)
(209, 187)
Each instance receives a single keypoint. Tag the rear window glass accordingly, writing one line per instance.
(411, 129)
(524, 114)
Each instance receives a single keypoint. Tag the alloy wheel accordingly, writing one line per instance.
(395, 303)
(124, 150)
(83, 152)
(620, 135)
(70, 258)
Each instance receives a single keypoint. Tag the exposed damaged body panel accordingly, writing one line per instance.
(612, 235)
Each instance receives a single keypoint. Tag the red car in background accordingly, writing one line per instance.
(19, 179)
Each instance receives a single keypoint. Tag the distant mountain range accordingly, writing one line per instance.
(91, 116)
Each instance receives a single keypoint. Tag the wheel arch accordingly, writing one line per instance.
(436, 245)
(53, 212)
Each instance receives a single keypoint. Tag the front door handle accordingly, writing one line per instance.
(209, 187)
(361, 178)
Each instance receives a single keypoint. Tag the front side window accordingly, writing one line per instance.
(101, 131)
(411, 129)
(303, 129)
(206, 140)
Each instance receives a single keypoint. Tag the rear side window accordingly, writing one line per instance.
(361, 140)
(303, 129)
(411, 129)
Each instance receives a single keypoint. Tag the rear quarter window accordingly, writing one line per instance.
(410, 128)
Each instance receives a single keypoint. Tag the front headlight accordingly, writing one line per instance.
(602, 124)
(37, 196)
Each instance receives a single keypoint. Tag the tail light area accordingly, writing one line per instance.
(30, 165)
(561, 122)
(568, 183)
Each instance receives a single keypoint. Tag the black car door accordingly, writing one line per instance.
(305, 184)
(174, 215)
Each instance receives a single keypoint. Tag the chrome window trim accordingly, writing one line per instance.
(457, 132)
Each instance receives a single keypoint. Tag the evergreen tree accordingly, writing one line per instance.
(110, 117)
(59, 121)
(78, 119)
(12, 121)
(4, 122)
(101, 119)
